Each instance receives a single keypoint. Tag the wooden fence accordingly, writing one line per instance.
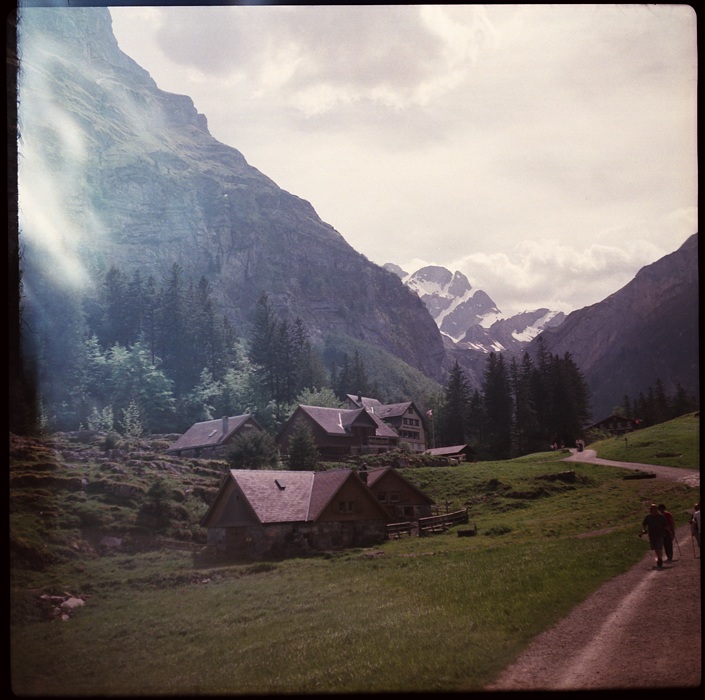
(397, 530)
(440, 523)
(427, 526)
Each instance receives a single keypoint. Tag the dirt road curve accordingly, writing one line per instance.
(687, 476)
(641, 630)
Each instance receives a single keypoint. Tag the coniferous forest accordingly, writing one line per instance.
(146, 356)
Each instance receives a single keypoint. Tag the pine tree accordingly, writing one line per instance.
(263, 345)
(303, 453)
(254, 449)
(498, 408)
(451, 426)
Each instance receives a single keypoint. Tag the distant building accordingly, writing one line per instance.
(404, 417)
(458, 453)
(212, 438)
(615, 425)
(339, 432)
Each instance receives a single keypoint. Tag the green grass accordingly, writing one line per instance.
(675, 443)
(434, 614)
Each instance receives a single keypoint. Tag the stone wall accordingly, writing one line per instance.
(291, 539)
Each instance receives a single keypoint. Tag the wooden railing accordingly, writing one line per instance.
(396, 530)
(440, 523)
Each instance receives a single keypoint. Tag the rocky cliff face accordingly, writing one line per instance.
(122, 173)
(647, 330)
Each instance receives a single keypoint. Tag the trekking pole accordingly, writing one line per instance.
(675, 537)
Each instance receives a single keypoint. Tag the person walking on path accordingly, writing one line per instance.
(695, 523)
(654, 524)
(670, 533)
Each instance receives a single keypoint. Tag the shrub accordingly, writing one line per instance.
(253, 450)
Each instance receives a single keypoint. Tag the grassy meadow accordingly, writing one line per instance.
(438, 613)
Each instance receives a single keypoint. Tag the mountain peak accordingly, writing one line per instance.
(471, 319)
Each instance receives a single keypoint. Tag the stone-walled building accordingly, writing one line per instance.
(259, 514)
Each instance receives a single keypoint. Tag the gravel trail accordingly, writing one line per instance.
(641, 630)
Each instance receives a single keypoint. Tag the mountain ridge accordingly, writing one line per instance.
(469, 318)
(151, 187)
(646, 331)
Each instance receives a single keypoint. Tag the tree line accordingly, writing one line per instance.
(655, 405)
(523, 406)
(146, 356)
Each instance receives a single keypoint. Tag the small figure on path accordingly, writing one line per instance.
(655, 525)
(670, 533)
(695, 523)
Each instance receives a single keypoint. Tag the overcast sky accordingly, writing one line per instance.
(548, 152)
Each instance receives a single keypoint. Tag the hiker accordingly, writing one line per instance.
(695, 523)
(670, 533)
(655, 525)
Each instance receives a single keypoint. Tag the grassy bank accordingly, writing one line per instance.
(440, 613)
(675, 443)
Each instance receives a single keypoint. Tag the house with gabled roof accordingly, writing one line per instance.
(212, 438)
(339, 432)
(614, 425)
(402, 499)
(261, 513)
(404, 417)
(454, 453)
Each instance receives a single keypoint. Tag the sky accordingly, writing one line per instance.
(547, 152)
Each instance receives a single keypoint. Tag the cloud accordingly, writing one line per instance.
(552, 274)
(455, 132)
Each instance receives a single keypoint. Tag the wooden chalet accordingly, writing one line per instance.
(404, 417)
(212, 438)
(615, 425)
(261, 514)
(340, 432)
(454, 453)
(402, 500)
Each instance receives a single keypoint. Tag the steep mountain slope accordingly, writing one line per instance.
(114, 171)
(647, 330)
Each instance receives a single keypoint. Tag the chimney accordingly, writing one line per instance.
(225, 425)
(362, 473)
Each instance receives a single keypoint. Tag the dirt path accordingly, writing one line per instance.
(641, 630)
(687, 476)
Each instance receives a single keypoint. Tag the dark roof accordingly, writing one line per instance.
(340, 421)
(276, 496)
(451, 450)
(289, 496)
(612, 418)
(392, 410)
(364, 401)
(210, 433)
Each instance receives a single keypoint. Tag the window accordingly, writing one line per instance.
(394, 497)
(346, 506)
(382, 497)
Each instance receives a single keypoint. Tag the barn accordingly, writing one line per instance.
(259, 514)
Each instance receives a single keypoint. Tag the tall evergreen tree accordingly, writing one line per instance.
(451, 424)
(172, 340)
(303, 453)
(498, 408)
(263, 345)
